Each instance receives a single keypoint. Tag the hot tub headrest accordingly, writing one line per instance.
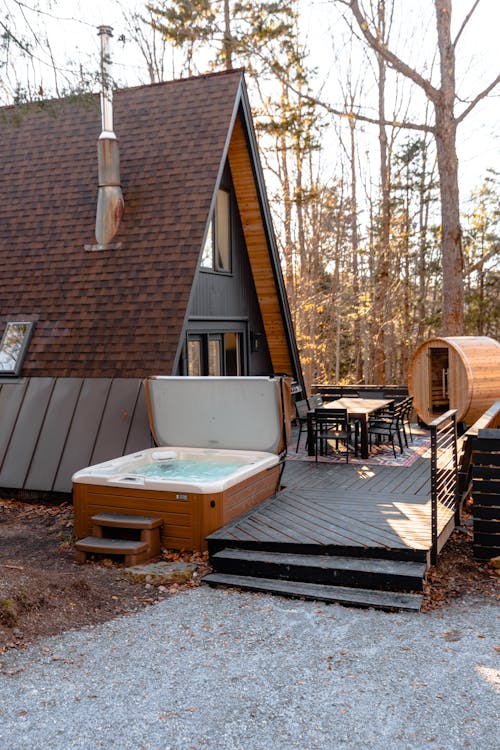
(244, 413)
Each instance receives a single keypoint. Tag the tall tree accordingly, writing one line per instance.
(443, 98)
(382, 281)
(482, 253)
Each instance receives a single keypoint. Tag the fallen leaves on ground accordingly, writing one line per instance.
(458, 574)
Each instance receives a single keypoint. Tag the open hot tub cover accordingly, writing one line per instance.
(243, 413)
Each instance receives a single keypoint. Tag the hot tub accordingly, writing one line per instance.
(195, 489)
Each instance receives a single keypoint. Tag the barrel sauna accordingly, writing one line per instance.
(456, 372)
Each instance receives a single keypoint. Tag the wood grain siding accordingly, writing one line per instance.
(247, 494)
(181, 521)
(187, 522)
(473, 376)
(258, 251)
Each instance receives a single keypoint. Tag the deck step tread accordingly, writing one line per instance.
(112, 546)
(388, 600)
(126, 521)
(326, 562)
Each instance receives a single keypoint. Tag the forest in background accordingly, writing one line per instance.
(375, 255)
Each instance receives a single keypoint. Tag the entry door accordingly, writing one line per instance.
(439, 396)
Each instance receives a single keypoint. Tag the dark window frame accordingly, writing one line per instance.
(217, 334)
(212, 238)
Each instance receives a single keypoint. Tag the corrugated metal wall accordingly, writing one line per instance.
(51, 427)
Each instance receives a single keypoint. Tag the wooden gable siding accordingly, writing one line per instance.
(258, 250)
(51, 427)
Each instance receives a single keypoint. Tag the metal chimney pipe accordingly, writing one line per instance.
(106, 32)
(109, 196)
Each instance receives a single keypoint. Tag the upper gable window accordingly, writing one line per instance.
(216, 254)
(14, 346)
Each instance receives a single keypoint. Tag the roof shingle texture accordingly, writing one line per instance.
(111, 313)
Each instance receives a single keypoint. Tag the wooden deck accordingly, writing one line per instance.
(342, 509)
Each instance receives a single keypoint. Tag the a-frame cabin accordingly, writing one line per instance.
(190, 284)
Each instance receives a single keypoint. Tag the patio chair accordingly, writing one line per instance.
(316, 401)
(399, 411)
(332, 425)
(387, 423)
(301, 409)
(407, 409)
(371, 394)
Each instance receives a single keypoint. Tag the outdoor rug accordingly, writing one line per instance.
(380, 455)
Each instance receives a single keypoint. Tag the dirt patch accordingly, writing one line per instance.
(458, 574)
(43, 591)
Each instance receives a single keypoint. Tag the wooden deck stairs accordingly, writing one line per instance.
(386, 584)
(359, 535)
(329, 545)
(135, 538)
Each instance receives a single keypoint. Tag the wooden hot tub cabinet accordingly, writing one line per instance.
(455, 372)
(187, 517)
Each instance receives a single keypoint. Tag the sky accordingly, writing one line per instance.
(72, 28)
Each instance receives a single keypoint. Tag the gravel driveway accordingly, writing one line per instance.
(222, 669)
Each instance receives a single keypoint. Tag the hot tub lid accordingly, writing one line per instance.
(243, 413)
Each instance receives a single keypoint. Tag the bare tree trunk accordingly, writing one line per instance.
(446, 132)
(382, 273)
(358, 352)
(423, 221)
(227, 44)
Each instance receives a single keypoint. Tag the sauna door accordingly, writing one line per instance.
(438, 362)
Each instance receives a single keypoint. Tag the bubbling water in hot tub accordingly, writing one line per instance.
(179, 469)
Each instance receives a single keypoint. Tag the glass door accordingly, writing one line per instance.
(215, 353)
(438, 362)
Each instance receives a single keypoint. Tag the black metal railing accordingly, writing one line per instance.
(486, 493)
(490, 419)
(444, 475)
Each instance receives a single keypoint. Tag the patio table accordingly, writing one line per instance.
(358, 409)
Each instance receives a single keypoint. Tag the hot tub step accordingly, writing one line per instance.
(134, 551)
(125, 521)
(105, 527)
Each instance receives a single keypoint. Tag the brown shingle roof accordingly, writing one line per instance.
(113, 312)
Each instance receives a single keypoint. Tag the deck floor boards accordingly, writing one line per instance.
(343, 505)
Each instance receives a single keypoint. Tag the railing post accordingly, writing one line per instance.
(434, 533)
(456, 499)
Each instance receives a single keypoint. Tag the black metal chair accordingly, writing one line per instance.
(332, 425)
(315, 401)
(387, 423)
(371, 394)
(301, 409)
(407, 410)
